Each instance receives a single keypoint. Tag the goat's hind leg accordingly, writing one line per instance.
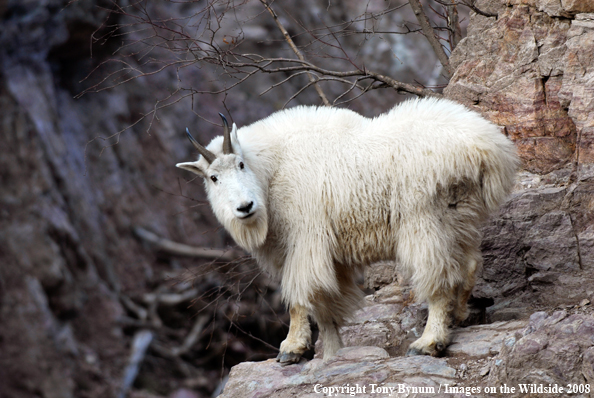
(447, 304)
(464, 289)
(436, 335)
(299, 338)
(330, 337)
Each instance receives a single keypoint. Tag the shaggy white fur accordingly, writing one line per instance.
(331, 191)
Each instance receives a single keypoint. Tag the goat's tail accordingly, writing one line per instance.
(499, 172)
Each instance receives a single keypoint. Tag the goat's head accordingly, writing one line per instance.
(233, 190)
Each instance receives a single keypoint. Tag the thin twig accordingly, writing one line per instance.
(454, 25)
(140, 312)
(192, 337)
(140, 343)
(170, 299)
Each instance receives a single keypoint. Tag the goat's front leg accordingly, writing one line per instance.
(299, 338)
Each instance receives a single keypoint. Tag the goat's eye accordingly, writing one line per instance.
(214, 178)
(241, 166)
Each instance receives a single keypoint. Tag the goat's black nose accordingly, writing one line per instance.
(246, 208)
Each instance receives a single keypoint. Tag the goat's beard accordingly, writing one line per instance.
(252, 235)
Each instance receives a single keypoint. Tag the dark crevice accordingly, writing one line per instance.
(544, 89)
(477, 307)
(529, 271)
(577, 240)
(72, 61)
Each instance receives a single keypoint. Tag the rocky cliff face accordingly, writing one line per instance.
(546, 349)
(530, 70)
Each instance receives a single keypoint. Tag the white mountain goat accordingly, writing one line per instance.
(317, 193)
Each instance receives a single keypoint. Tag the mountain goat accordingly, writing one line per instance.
(317, 193)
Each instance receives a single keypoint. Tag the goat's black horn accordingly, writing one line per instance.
(208, 155)
(227, 148)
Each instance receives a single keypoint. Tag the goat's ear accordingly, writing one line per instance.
(234, 132)
(234, 140)
(193, 167)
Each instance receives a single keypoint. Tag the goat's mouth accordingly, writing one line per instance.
(248, 216)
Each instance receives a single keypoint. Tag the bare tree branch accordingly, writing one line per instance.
(312, 79)
(470, 4)
(192, 337)
(395, 84)
(180, 249)
(430, 35)
(157, 45)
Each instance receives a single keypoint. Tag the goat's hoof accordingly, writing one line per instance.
(439, 349)
(435, 350)
(288, 358)
(411, 352)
